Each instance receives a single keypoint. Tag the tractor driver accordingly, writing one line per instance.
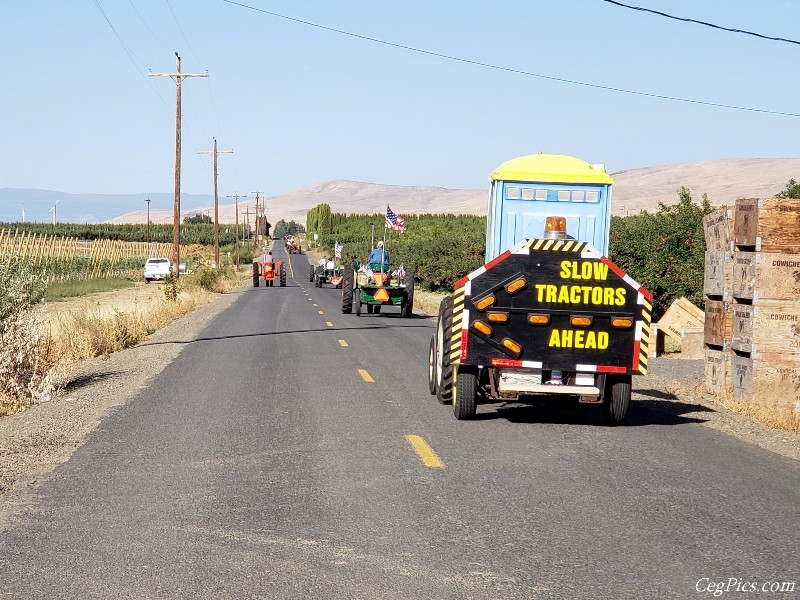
(379, 256)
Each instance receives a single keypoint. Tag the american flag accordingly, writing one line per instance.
(394, 221)
(337, 249)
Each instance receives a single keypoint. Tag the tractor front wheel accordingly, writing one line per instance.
(357, 302)
(444, 368)
(432, 366)
(408, 282)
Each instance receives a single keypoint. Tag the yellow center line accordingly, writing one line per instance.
(291, 270)
(310, 299)
(328, 323)
(425, 452)
(314, 304)
(366, 376)
(320, 312)
(343, 344)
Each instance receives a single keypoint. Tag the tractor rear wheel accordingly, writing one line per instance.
(616, 398)
(283, 275)
(311, 272)
(444, 368)
(408, 282)
(432, 366)
(377, 309)
(465, 393)
(348, 277)
(255, 275)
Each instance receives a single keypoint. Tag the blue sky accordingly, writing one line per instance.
(299, 104)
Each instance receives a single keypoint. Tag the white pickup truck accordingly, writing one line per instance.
(157, 268)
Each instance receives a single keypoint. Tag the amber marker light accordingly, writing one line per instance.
(516, 285)
(482, 327)
(581, 321)
(497, 317)
(555, 225)
(485, 303)
(620, 323)
(513, 346)
(538, 319)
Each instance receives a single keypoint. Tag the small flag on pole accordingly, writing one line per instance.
(394, 221)
(337, 249)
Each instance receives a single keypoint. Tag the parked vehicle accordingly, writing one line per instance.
(157, 268)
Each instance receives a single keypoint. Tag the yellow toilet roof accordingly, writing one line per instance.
(551, 168)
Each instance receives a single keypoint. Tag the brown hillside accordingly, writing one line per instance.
(634, 190)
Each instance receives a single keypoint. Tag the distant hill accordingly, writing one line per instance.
(634, 190)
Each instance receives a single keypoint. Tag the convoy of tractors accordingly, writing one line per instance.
(548, 316)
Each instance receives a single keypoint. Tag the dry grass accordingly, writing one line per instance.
(772, 412)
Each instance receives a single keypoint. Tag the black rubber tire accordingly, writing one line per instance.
(255, 275)
(377, 309)
(444, 368)
(311, 272)
(465, 394)
(371, 308)
(616, 399)
(408, 281)
(283, 275)
(348, 277)
(432, 366)
(357, 302)
(147, 280)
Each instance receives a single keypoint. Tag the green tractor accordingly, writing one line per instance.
(375, 288)
(326, 273)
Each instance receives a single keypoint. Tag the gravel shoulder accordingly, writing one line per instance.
(34, 442)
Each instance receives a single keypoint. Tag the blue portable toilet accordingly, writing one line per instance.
(527, 190)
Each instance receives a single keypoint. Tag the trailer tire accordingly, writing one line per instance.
(347, 290)
(616, 399)
(444, 368)
(432, 366)
(465, 393)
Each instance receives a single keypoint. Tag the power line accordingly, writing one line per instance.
(704, 23)
(515, 71)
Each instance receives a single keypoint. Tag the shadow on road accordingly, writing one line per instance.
(81, 381)
(660, 409)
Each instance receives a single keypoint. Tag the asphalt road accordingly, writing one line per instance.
(271, 460)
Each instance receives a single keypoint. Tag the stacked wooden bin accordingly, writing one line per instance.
(762, 355)
(717, 289)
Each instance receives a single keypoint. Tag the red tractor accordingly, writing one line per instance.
(269, 272)
(293, 246)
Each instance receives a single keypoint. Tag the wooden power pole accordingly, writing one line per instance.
(237, 196)
(176, 213)
(148, 221)
(216, 198)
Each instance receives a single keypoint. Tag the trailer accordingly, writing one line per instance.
(549, 315)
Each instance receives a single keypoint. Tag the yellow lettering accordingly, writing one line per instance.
(551, 293)
(566, 338)
(540, 288)
(620, 297)
(565, 272)
(586, 270)
(579, 338)
(563, 295)
(597, 295)
(602, 340)
(554, 339)
(575, 294)
(608, 296)
(591, 341)
(600, 271)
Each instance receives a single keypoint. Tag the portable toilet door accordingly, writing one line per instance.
(527, 190)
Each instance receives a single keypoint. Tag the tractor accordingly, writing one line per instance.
(363, 286)
(325, 272)
(269, 272)
(293, 246)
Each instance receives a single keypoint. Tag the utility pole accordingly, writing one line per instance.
(176, 212)
(148, 220)
(216, 201)
(247, 220)
(237, 196)
(258, 228)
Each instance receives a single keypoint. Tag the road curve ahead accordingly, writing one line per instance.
(291, 451)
